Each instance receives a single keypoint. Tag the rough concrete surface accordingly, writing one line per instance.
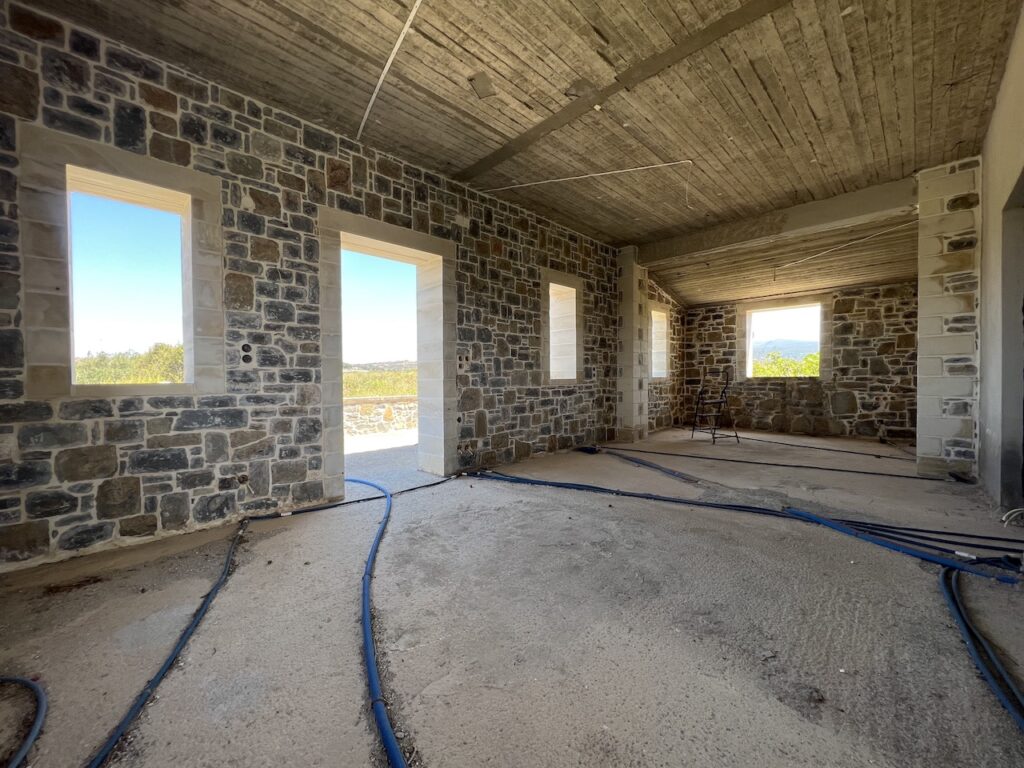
(533, 627)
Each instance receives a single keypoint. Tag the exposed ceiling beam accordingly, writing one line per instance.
(643, 70)
(882, 202)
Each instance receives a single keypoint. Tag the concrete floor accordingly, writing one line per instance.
(531, 627)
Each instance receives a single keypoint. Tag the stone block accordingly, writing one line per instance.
(218, 506)
(139, 525)
(118, 497)
(285, 472)
(157, 460)
(83, 536)
(23, 541)
(76, 410)
(38, 27)
(308, 492)
(209, 418)
(41, 437)
(124, 431)
(51, 503)
(174, 511)
(96, 461)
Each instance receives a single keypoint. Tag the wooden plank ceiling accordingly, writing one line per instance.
(817, 98)
(754, 270)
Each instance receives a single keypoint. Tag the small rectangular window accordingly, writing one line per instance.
(659, 344)
(562, 331)
(129, 262)
(784, 342)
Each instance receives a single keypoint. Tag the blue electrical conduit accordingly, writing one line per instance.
(776, 464)
(891, 533)
(103, 753)
(972, 636)
(982, 654)
(896, 547)
(380, 712)
(880, 529)
(37, 723)
(938, 531)
(789, 512)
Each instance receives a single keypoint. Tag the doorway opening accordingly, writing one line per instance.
(393, 388)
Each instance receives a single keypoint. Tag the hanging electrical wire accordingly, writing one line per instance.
(596, 175)
(847, 244)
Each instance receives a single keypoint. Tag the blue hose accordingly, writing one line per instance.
(891, 532)
(786, 513)
(948, 581)
(896, 547)
(103, 753)
(37, 723)
(380, 712)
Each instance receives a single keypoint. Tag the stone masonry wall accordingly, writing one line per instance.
(872, 390)
(665, 404)
(78, 474)
(368, 415)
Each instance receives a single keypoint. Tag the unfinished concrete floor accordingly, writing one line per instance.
(534, 627)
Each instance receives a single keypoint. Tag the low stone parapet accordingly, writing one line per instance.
(369, 415)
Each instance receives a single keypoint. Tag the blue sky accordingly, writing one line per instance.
(797, 323)
(126, 276)
(378, 309)
(126, 273)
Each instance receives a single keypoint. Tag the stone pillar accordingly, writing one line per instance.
(947, 347)
(631, 411)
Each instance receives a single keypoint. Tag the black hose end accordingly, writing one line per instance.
(962, 478)
(589, 449)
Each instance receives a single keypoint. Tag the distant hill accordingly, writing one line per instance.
(791, 348)
(393, 365)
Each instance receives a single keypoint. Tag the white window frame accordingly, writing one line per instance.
(43, 201)
(551, 277)
(111, 187)
(744, 351)
(666, 311)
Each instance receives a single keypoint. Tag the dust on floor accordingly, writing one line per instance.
(535, 627)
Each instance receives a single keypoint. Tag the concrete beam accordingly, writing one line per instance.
(878, 203)
(746, 14)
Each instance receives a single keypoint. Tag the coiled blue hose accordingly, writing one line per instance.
(37, 723)
(380, 712)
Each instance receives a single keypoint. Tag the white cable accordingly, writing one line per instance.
(851, 242)
(1009, 516)
(387, 66)
(592, 175)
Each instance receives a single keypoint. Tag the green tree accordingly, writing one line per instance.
(774, 364)
(160, 364)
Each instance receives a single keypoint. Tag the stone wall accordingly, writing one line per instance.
(665, 402)
(872, 388)
(948, 277)
(80, 473)
(368, 415)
